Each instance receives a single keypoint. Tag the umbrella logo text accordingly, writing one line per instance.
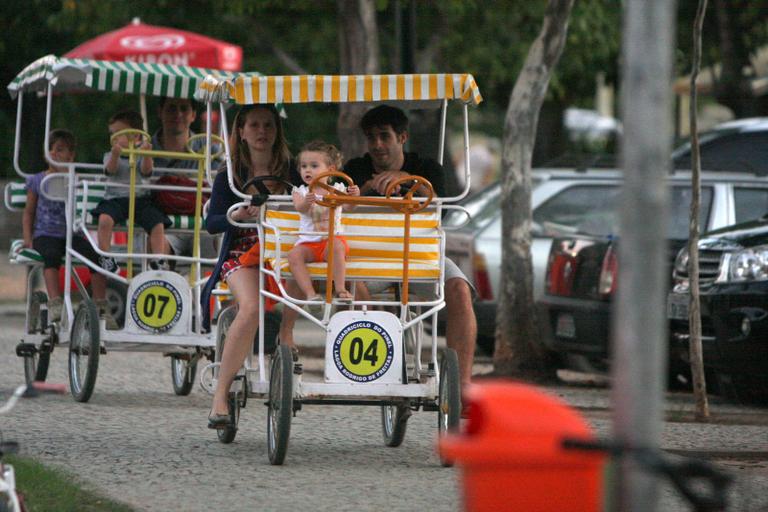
(153, 43)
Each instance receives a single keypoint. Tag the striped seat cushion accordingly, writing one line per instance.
(16, 199)
(375, 245)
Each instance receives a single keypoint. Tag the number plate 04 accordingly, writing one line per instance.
(364, 347)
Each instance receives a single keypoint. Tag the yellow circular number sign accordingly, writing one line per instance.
(156, 306)
(363, 351)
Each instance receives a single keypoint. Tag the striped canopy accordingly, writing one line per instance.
(340, 88)
(128, 77)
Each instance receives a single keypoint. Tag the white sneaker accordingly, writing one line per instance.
(161, 264)
(105, 312)
(54, 309)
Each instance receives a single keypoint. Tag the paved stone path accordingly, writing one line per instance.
(139, 443)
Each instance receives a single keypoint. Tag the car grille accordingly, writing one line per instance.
(709, 267)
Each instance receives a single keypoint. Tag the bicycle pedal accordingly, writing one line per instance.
(26, 349)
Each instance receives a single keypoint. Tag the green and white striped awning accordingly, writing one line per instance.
(128, 77)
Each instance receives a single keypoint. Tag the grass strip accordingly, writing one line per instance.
(52, 490)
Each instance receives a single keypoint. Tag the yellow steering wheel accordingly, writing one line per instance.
(416, 181)
(320, 181)
(128, 132)
(215, 138)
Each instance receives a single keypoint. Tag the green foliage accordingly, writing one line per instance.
(49, 490)
(488, 39)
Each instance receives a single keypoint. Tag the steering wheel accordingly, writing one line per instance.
(319, 181)
(416, 182)
(214, 138)
(130, 131)
(264, 193)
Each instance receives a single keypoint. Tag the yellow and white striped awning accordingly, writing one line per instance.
(246, 90)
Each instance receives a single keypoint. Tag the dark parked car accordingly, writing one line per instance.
(582, 268)
(733, 287)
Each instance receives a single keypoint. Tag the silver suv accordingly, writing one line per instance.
(568, 202)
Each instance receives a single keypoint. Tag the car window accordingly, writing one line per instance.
(680, 211)
(737, 152)
(592, 209)
(750, 203)
(587, 208)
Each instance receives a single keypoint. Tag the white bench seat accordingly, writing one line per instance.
(375, 242)
(16, 199)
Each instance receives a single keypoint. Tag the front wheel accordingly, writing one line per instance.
(280, 404)
(84, 347)
(227, 434)
(394, 420)
(183, 375)
(36, 366)
(449, 398)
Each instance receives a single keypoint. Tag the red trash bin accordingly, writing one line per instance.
(511, 454)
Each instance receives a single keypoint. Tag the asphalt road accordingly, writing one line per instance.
(139, 443)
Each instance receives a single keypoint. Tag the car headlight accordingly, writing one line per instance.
(750, 264)
(681, 262)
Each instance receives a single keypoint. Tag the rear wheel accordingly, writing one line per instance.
(449, 398)
(280, 404)
(183, 374)
(394, 421)
(84, 347)
(116, 298)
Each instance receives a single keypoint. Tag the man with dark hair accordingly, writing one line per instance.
(176, 116)
(386, 132)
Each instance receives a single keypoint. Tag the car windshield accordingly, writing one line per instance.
(593, 210)
(476, 204)
(482, 206)
(726, 150)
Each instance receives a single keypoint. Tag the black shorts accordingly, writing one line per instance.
(52, 249)
(147, 214)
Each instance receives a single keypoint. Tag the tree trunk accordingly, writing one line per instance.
(732, 88)
(517, 349)
(694, 314)
(359, 51)
(639, 334)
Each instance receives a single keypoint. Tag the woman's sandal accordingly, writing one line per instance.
(219, 421)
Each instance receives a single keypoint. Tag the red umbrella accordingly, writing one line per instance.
(138, 42)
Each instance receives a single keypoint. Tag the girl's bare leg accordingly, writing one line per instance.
(298, 257)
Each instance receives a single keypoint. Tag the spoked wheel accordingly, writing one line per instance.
(34, 317)
(183, 375)
(280, 404)
(228, 433)
(225, 319)
(84, 347)
(394, 420)
(36, 366)
(449, 398)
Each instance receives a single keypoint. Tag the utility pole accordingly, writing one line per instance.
(639, 325)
